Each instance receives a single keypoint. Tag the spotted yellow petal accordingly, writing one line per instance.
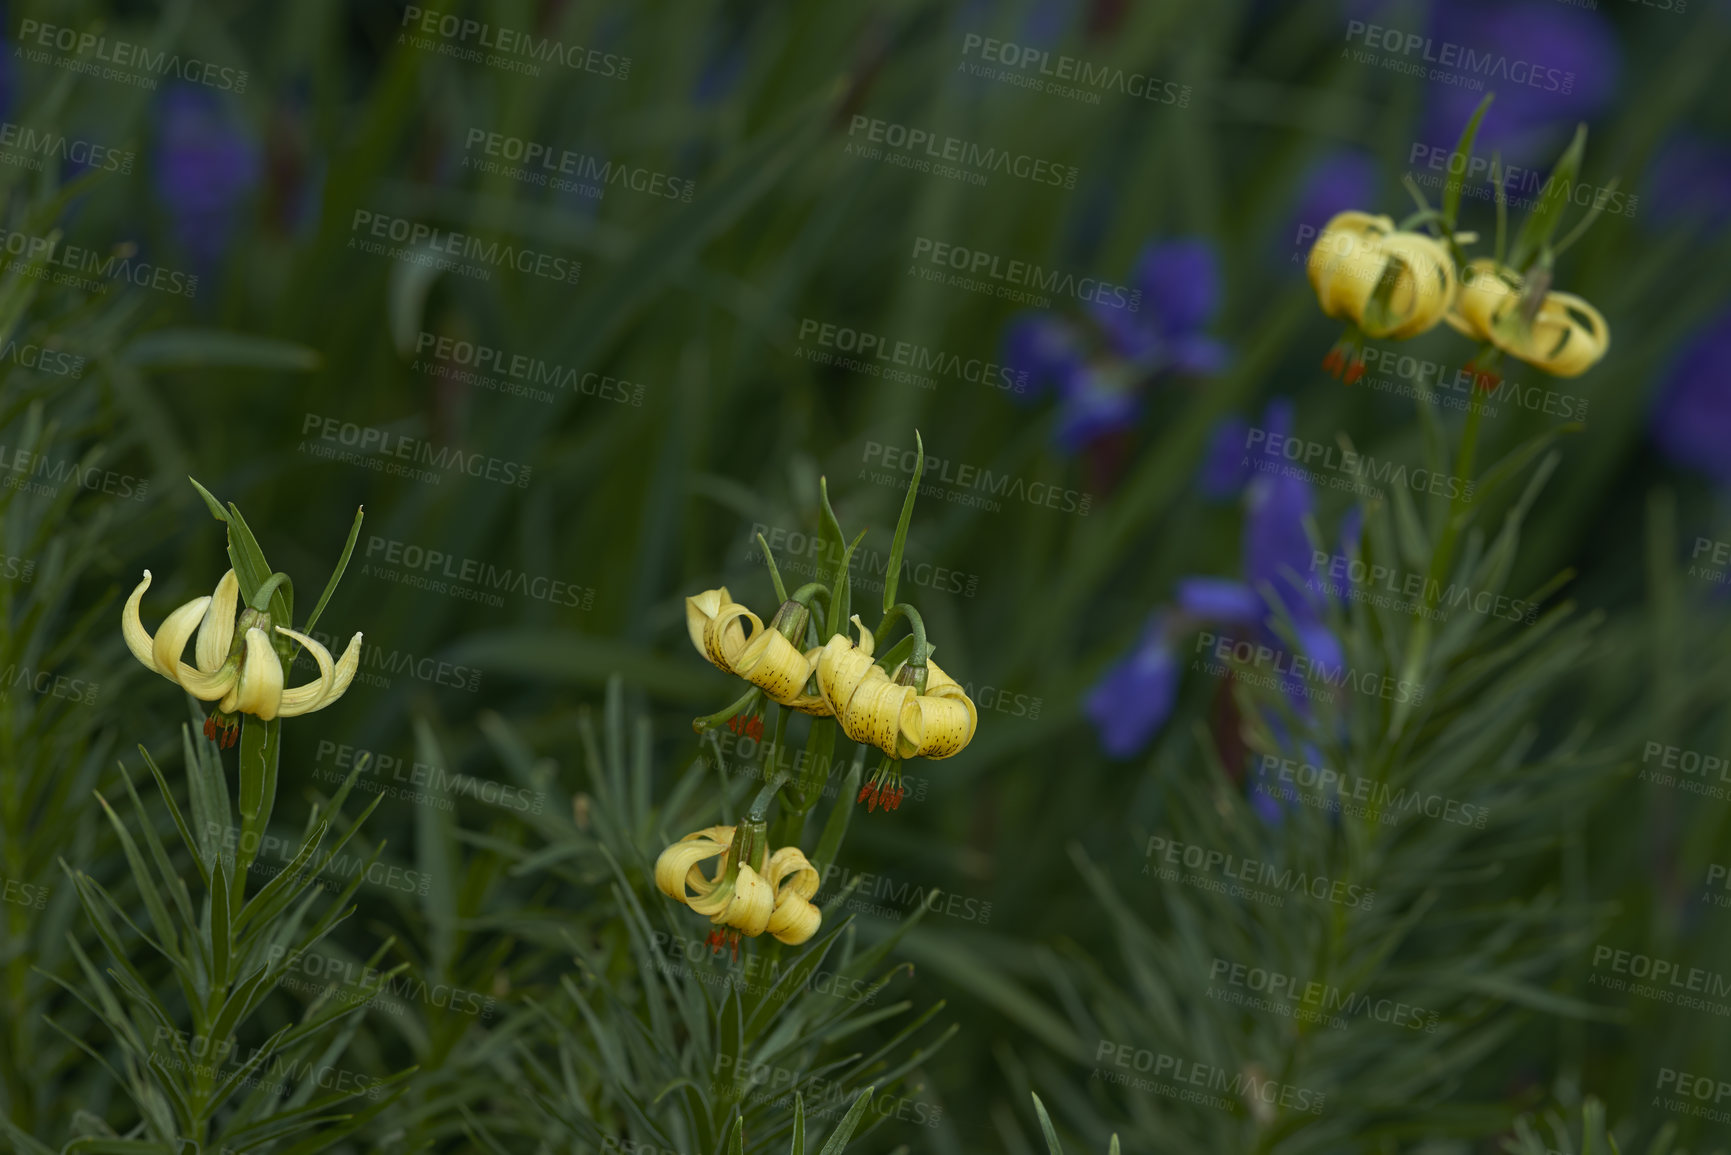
(700, 610)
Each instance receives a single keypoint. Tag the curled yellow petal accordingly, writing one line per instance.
(770, 662)
(1565, 338)
(172, 636)
(138, 639)
(752, 905)
(1357, 253)
(216, 632)
(700, 611)
(676, 870)
(316, 693)
(724, 638)
(259, 689)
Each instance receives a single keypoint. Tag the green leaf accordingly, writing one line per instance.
(1553, 200)
(195, 348)
(336, 574)
(844, 1130)
(146, 884)
(798, 1124)
(893, 574)
(1457, 170)
(1052, 1144)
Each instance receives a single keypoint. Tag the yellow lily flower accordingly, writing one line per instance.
(765, 657)
(1355, 253)
(890, 713)
(1565, 338)
(767, 892)
(244, 675)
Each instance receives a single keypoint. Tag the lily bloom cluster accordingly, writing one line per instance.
(908, 712)
(753, 890)
(1388, 282)
(907, 708)
(236, 665)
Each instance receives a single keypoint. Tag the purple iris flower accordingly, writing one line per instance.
(1134, 698)
(1340, 180)
(1691, 184)
(1571, 56)
(1226, 464)
(1099, 377)
(205, 165)
(1692, 419)
(1131, 702)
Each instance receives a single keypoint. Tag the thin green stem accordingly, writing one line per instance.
(916, 624)
(711, 721)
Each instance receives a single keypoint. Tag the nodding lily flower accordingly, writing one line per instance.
(893, 713)
(1557, 332)
(1384, 281)
(766, 658)
(751, 891)
(236, 666)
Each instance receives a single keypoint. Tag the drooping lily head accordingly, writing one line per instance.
(1557, 332)
(235, 664)
(751, 890)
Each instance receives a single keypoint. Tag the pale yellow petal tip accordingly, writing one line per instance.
(138, 639)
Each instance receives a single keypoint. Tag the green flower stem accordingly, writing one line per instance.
(759, 811)
(261, 597)
(720, 717)
(774, 574)
(915, 623)
(1443, 556)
